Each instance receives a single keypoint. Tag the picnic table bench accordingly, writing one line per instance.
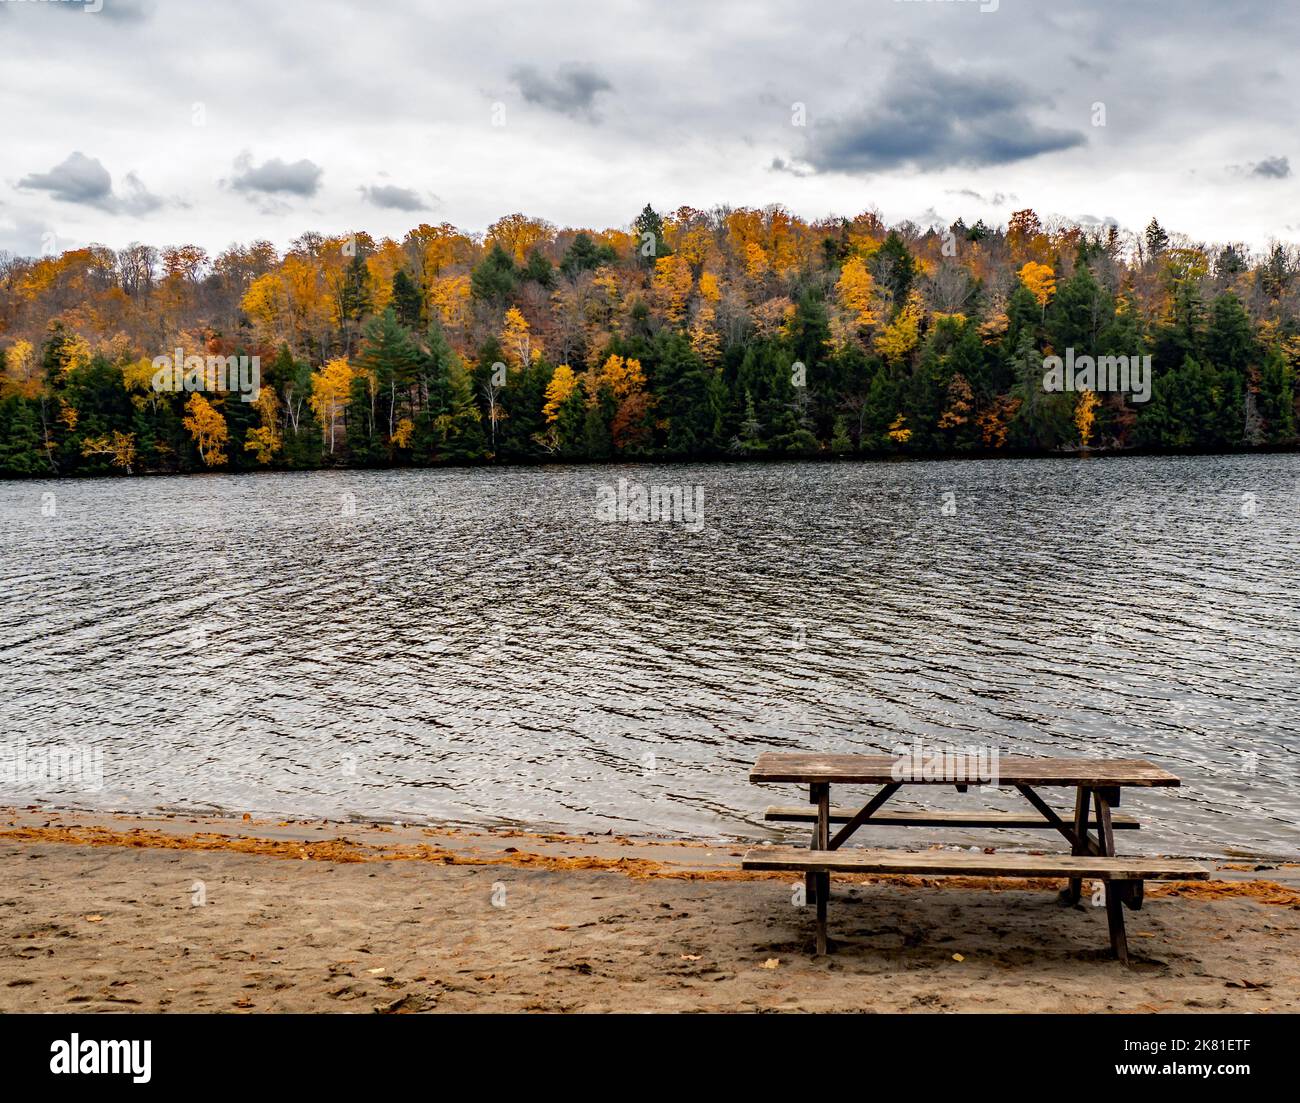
(1090, 830)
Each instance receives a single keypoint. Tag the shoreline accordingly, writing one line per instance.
(722, 460)
(189, 913)
(1015, 841)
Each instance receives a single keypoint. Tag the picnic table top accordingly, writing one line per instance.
(879, 769)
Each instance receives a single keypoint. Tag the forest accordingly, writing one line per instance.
(731, 333)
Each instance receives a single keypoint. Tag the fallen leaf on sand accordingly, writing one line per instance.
(958, 957)
(770, 963)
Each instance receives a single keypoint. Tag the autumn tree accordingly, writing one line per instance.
(265, 441)
(331, 391)
(208, 428)
(1085, 416)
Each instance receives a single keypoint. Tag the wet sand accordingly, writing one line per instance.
(189, 913)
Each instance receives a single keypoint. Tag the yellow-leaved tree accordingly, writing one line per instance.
(899, 433)
(705, 339)
(402, 433)
(857, 292)
(21, 374)
(205, 424)
(267, 306)
(449, 296)
(119, 446)
(518, 235)
(516, 340)
(563, 383)
(1085, 416)
(1040, 280)
(672, 285)
(624, 377)
(331, 388)
(899, 338)
(265, 440)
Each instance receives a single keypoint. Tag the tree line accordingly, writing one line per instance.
(727, 333)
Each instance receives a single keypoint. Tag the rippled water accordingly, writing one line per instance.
(477, 646)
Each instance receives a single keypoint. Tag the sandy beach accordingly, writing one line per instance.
(127, 913)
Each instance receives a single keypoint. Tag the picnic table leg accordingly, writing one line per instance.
(1115, 919)
(822, 794)
(1114, 905)
(1105, 833)
(1075, 890)
(810, 878)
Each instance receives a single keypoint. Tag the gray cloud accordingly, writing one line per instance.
(698, 112)
(77, 179)
(1275, 168)
(277, 177)
(572, 91)
(393, 198)
(996, 199)
(929, 118)
(780, 164)
(1087, 65)
(138, 199)
(84, 180)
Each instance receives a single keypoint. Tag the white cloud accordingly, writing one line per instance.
(354, 107)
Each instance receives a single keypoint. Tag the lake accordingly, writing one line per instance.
(501, 646)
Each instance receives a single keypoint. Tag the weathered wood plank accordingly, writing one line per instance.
(941, 818)
(860, 769)
(938, 863)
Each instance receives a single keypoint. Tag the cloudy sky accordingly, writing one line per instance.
(170, 121)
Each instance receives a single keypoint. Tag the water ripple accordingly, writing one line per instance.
(476, 646)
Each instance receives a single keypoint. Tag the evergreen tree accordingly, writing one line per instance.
(840, 442)
(1157, 240)
(539, 270)
(406, 300)
(583, 255)
(650, 243)
(494, 279)
(893, 268)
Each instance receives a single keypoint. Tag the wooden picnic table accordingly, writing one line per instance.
(1098, 784)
